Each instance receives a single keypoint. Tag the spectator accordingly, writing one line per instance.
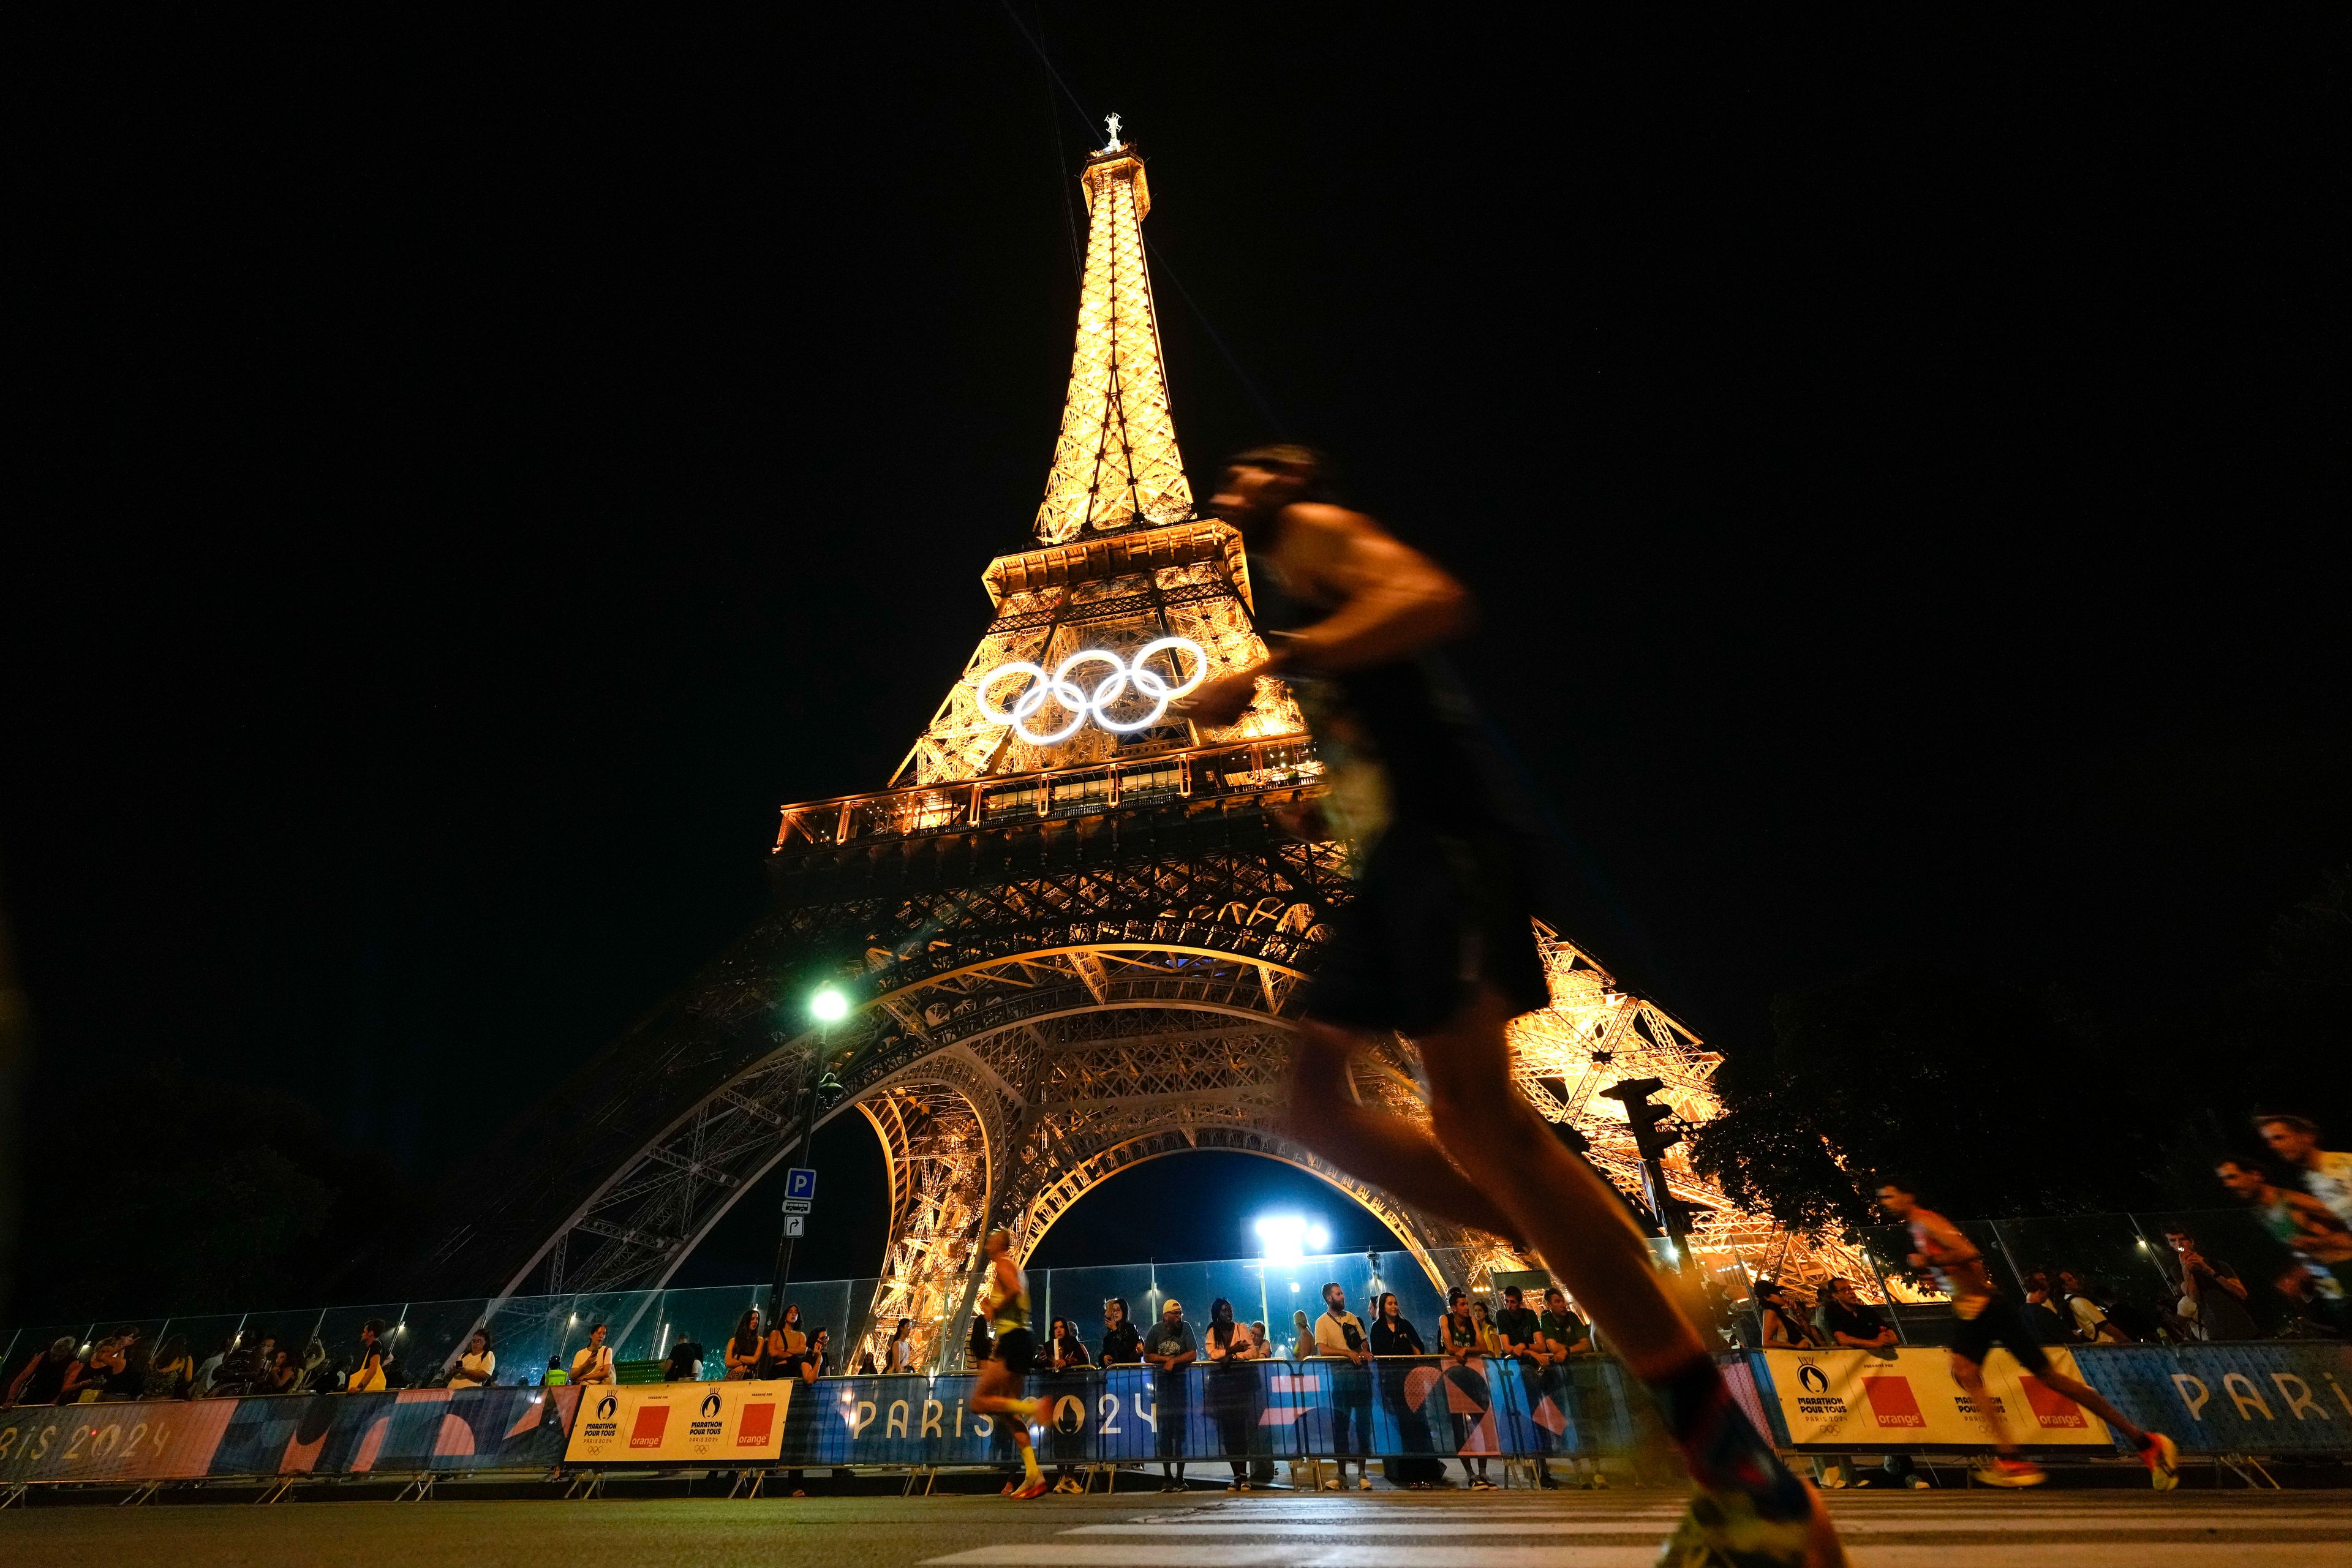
(1394, 1335)
(1066, 1352)
(479, 1367)
(85, 1379)
(901, 1358)
(315, 1366)
(1169, 1347)
(1302, 1336)
(1121, 1345)
(743, 1346)
(981, 1345)
(1783, 1328)
(554, 1376)
(1262, 1345)
(209, 1368)
(130, 1379)
(816, 1361)
(2040, 1312)
(1845, 1319)
(2307, 1314)
(593, 1363)
(2304, 1225)
(1463, 1342)
(1227, 1346)
(1518, 1334)
(284, 1374)
(1564, 1335)
(2325, 1176)
(2089, 1321)
(43, 1378)
(787, 1344)
(172, 1375)
(685, 1362)
(367, 1368)
(1340, 1338)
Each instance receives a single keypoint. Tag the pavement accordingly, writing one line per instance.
(2087, 1529)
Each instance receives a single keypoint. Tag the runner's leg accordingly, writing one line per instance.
(994, 1395)
(1586, 1237)
(1970, 1377)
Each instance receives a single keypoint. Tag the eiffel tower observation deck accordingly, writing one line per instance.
(1071, 930)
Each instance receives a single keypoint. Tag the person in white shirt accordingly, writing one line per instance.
(477, 1365)
(594, 1363)
(1339, 1337)
(2089, 1320)
(2326, 1175)
(902, 1347)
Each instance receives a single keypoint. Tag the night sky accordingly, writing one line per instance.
(479, 475)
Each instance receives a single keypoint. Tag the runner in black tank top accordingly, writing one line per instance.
(1437, 944)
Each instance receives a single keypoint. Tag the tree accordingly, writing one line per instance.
(1987, 1095)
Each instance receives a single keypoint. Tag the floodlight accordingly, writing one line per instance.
(829, 1006)
(1318, 1238)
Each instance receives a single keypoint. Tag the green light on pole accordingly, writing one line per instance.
(829, 1006)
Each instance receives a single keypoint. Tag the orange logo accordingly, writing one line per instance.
(759, 1420)
(1892, 1401)
(2051, 1408)
(651, 1421)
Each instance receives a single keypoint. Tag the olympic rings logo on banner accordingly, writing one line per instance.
(1096, 704)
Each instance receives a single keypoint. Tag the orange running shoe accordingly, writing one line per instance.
(1037, 1488)
(2005, 1471)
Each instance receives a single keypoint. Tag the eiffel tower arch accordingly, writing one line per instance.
(1073, 927)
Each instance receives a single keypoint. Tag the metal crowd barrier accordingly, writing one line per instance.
(2274, 1400)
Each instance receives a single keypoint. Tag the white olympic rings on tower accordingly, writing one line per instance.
(1096, 704)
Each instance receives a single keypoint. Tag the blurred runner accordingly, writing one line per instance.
(1438, 944)
(1987, 1317)
(1002, 1376)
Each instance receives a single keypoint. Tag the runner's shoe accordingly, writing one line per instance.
(1725, 1529)
(2007, 1472)
(2162, 1457)
(1034, 1489)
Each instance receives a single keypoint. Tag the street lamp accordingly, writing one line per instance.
(828, 1006)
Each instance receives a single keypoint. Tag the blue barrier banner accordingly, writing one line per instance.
(1258, 1411)
(2283, 1397)
(301, 1434)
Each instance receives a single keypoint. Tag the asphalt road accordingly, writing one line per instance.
(1380, 1530)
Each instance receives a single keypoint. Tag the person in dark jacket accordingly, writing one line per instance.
(1393, 1335)
(43, 1377)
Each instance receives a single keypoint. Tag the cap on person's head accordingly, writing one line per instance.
(1170, 1305)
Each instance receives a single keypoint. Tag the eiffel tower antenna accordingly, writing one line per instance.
(1072, 930)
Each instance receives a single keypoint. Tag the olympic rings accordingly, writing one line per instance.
(1095, 704)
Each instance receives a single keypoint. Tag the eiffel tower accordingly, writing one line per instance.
(1073, 928)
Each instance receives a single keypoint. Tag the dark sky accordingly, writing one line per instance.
(481, 474)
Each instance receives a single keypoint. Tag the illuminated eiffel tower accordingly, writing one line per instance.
(1073, 927)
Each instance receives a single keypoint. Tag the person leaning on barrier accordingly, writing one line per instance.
(2041, 1311)
(1169, 1347)
(1225, 1347)
(901, 1357)
(43, 1377)
(1845, 1319)
(2212, 1296)
(1066, 1352)
(1561, 1335)
(1518, 1334)
(2091, 1320)
(1784, 1327)
(478, 1366)
(787, 1343)
(1340, 1338)
(173, 1373)
(1122, 1343)
(283, 1373)
(685, 1362)
(555, 1376)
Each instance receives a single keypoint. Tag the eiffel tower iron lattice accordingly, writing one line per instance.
(1065, 958)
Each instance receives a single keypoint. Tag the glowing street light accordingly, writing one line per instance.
(1287, 1237)
(829, 1006)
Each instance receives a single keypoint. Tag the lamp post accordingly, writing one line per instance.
(828, 1008)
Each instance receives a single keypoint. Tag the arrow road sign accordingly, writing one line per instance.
(795, 1224)
(800, 1182)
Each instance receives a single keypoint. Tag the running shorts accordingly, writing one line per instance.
(1439, 908)
(1998, 1324)
(1018, 1349)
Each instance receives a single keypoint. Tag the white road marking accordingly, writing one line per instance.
(1970, 1523)
(1122, 1554)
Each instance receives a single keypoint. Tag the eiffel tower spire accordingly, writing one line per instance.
(1116, 463)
